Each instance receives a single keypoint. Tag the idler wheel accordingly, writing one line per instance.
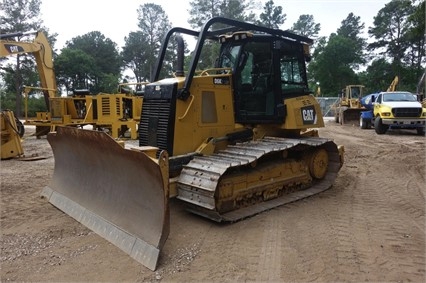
(318, 163)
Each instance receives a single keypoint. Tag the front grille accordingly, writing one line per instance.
(406, 112)
(156, 127)
(154, 124)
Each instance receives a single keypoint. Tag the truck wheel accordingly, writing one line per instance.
(363, 123)
(379, 127)
(336, 118)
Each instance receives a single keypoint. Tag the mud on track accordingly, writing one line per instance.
(370, 226)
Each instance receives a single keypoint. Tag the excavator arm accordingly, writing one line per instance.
(42, 52)
(393, 84)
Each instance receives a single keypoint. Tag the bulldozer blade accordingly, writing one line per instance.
(351, 116)
(121, 194)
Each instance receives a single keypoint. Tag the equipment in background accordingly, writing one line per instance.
(229, 141)
(118, 114)
(11, 132)
(392, 110)
(42, 52)
(348, 108)
(393, 84)
(421, 90)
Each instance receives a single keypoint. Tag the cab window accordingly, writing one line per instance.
(292, 68)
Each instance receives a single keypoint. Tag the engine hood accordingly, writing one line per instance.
(404, 104)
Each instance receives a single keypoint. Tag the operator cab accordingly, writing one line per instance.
(266, 70)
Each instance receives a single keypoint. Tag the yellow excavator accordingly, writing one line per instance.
(42, 52)
(230, 141)
(40, 48)
(393, 84)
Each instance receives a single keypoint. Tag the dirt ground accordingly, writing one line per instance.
(370, 226)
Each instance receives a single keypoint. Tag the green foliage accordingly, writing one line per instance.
(306, 26)
(398, 50)
(153, 24)
(73, 68)
(7, 100)
(378, 76)
(36, 103)
(399, 35)
(272, 16)
(333, 65)
(142, 47)
(416, 36)
(208, 55)
(87, 61)
(203, 10)
(237, 10)
(19, 16)
(108, 83)
(390, 26)
(134, 56)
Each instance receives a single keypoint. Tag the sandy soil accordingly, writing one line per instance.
(370, 226)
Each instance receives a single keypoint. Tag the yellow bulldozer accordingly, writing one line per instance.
(229, 141)
(348, 108)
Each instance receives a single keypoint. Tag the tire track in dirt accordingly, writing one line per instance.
(339, 214)
(374, 207)
(378, 206)
(404, 224)
(316, 248)
(269, 267)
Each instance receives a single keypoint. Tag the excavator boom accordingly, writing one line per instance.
(43, 54)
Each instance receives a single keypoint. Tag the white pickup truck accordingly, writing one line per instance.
(398, 110)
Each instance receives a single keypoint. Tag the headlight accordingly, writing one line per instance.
(386, 114)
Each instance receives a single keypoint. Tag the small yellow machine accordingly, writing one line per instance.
(348, 108)
(10, 136)
(116, 113)
(229, 142)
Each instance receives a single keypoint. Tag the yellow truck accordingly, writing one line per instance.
(393, 110)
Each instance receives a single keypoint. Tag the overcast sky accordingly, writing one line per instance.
(115, 19)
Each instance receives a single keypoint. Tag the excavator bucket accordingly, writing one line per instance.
(121, 194)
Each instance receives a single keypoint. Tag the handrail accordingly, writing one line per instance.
(187, 109)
